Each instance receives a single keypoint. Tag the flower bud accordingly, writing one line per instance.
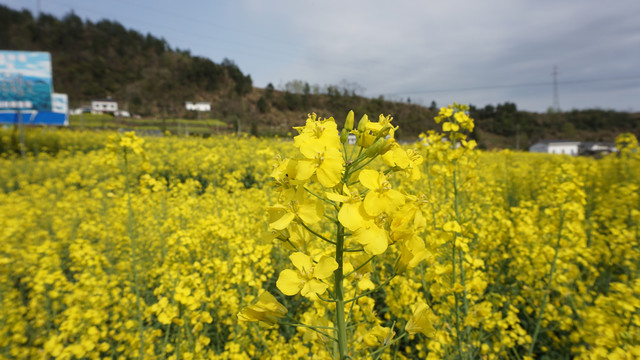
(348, 123)
(384, 131)
(344, 135)
(362, 124)
(375, 148)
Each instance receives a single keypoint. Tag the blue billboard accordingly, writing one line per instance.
(26, 90)
(25, 80)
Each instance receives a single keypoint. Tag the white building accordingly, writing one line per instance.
(566, 147)
(198, 106)
(103, 106)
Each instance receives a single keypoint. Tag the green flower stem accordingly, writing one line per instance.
(318, 235)
(314, 328)
(371, 291)
(321, 198)
(363, 165)
(545, 297)
(379, 351)
(325, 299)
(330, 218)
(360, 266)
(341, 330)
(355, 293)
(344, 152)
(293, 246)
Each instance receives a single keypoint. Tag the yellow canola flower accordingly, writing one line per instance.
(448, 126)
(316, 136)
(381, 197)
(445, 112)
(369, 131)
(422, 321)
(452, 226)
(412, 252)
(308, 280)
(409, 218)
(396, 156)
(409, 160)
(267, 310)
(326, 164)
(374, 238)
(379, 335)
(352, 214)
(464, 120)
(308, 210)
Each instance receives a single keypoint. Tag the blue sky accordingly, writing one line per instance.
(478, 52)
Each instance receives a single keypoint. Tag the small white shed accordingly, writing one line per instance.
(566, 147)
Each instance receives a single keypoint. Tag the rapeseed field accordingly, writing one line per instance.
(234, 247)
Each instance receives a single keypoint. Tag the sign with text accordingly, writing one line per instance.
(25, 80)
(58, 115)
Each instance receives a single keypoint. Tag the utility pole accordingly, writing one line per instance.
(556, 101)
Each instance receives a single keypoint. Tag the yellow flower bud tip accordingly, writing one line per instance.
(348, 123)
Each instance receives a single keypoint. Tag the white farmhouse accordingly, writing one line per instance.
(566, 147)
(103, 106)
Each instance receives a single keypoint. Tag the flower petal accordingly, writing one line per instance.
(373, 238)
(369, 179)
(351, 215)
(282, 222)
(325, 267)
(311, 211)
(290, 282)
(313, 287)
(302, 262)
(375, 203)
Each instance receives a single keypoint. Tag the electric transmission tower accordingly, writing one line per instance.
(556, 101)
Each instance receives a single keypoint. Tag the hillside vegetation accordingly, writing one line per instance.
(150, 78)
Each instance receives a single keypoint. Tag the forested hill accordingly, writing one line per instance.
(149, 77)
(96, 60)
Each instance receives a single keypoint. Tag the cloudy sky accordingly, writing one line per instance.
(478, 52)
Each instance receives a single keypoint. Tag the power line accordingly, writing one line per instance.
(520, 85)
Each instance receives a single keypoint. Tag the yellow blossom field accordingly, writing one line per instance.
(232, 247)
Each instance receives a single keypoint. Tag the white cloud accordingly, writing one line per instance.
(406, 46)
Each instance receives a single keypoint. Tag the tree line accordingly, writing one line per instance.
(97, 60)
